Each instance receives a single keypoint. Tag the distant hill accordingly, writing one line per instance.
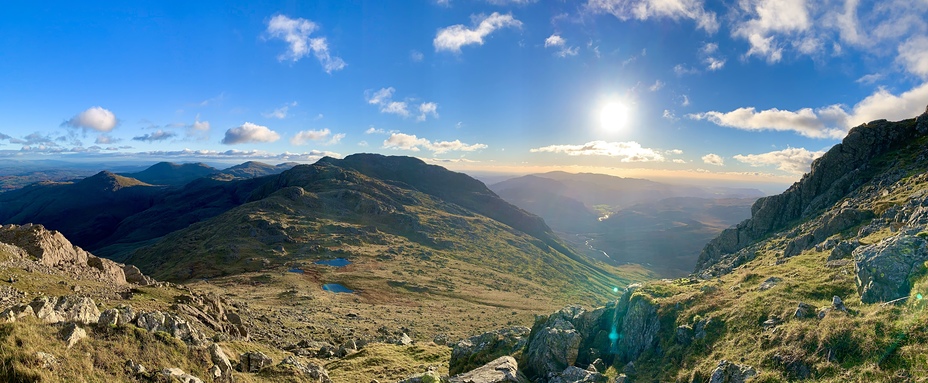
(660, 226)
(253, 169)
(171, 174)
(87, 209)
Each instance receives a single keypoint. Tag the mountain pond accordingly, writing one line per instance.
(337, 262)
(337, 288)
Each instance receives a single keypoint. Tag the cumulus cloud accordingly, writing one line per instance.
(558, 42)
(828, 122)
(456, 36)
(768, 18)
(630, 151)
(159, 135)
(96, 119)
(411, 142)
(306, 136)
(296, 32)
(310, 156)
(657, 9)
(373, 130)
(383, 98)
(791, 160)
(713, 159)
(249, 133)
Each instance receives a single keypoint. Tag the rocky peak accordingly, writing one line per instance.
(108, 181)
(844, 168)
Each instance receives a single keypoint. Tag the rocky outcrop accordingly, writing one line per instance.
(213, 312)
(55, 309)
(575, 374)
(481, 349)
(316, 373)
(728, 372)
(175, 374)
(119, 316)
(172, 324)
(883, 269)
(842, 169)
(52, 250)
(500, 370)
(253, 361)
(71, 334)
(554, 343)
(222, 364)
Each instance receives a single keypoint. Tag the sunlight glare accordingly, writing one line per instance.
(613, 116)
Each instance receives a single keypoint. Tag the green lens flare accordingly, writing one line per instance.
(918, 296)
(616, 289)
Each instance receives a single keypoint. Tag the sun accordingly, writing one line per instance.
(613, 116)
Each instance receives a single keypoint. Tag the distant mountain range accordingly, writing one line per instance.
(190, 221)
(626, 220)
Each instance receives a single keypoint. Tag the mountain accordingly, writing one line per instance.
(171, 174)
(824, 282)
(383, 211)
(87, 209)
(619, 220)
(254, 169)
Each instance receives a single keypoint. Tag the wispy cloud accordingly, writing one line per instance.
(558, 42)
(456, 36)
(304, 137)
(630, 151)
(383, 98)
(657, 9)
(296, 32)
(281, 112)
(791, 160)
(159, 135)
(411, 142)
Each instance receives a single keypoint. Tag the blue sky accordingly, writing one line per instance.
(748, 91)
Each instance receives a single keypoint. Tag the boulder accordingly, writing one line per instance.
(48, 361)
(554, 343)
(425, 377)
(803, 310)
(843, 249)
(171, 324)
(883, 269)
(135, 368)
(77, 309)
(481, 349)
(111, 270)
(119, 316)
(500, 370)
(135, 276)
(72, 333)
(221, 361)
(44, 309)
(575, 374)
(728, 372)
(180, 375)
(317, 373)
(253, 361)
(404, 340)
(15, 313)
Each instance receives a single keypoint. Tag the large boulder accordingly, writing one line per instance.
(111, 270)
(77, 309)
(172, 324)
(119, 316)
(554, 343)
(134, 275)
(481, 349)
(253, 361)
(500, 370)
(175, 374)
(72, 333)
(883, 269)
(316, 373)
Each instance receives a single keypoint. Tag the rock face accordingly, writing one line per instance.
(172, 324)
(883, 269)
(221, 361)
(834, 175)
(51, 249)
(500, 370)
(486, 347)
(56, 309)
(728, 372)
(253, 361)
(554, 343)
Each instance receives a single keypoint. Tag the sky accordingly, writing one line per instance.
(740, 91)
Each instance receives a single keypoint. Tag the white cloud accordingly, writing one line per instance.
(678, 161)
(296, 32)
(411, 142)
(363, 144)
(870, 78)
(804, 121)
(657, 86)
(791, 160)
(682, 70)
(675, 151)
(427, 109)
(416, 56)
(373, 130)
(714, 64)
(454, 37)
(686, 100)
(768, 18)
(384, 99)
(647, 9)
(669, 115)
(913, 55)
(95, 118)
(828, 122)
(249, 133)
(554, 41)
(630, 151)
(280, 113)
(159, 135)
(713, 159)
(303, 137)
